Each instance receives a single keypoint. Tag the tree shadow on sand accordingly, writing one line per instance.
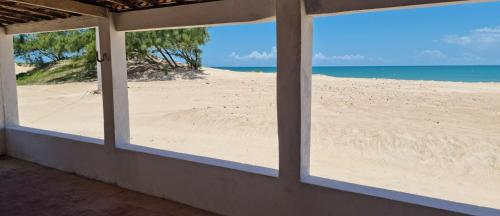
(143, 72)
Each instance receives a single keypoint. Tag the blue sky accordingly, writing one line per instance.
(467, 34)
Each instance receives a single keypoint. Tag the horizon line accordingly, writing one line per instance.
(362, 66)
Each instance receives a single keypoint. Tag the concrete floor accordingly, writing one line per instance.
(30, 189)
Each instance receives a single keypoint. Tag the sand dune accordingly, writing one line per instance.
(22, 69)
(439, 139)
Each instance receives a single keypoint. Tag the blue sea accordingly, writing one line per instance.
(436, 73)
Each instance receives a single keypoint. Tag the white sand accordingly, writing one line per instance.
(22, 69)
(438, 139)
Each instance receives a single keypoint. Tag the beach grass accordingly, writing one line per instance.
(70, 70)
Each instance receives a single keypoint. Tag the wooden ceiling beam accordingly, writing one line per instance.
(75, 22)
(131, 5)
(12, 6)
(13, 20)
(163, 2)
(68, 6)
(115, 4)
(18, 15)
(21, 13)
(5, 22)
(153, 2)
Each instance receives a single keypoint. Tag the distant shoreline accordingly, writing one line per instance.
(450, 73)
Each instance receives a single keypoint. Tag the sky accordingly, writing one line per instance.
(467, 34)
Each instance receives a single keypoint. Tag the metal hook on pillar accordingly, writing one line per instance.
(100, 60)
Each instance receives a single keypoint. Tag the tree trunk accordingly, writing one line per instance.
(187, 58)
(151, 60)
(171, 58)
(164, 56)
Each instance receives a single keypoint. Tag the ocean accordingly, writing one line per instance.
(436, 73)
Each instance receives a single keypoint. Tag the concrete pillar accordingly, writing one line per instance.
(294, 44)
(98, 67)
(8, 100)
(114, 84)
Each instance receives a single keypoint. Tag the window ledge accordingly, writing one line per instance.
(58, 134)
(202, 160)
(401, 196)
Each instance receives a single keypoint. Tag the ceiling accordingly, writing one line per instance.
(127, 5)
(22, 11)
(12, 12)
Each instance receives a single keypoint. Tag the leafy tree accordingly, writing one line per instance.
(87, 39)
(187, 44)
(144, 46)
(160, 48)
(51, 47)
(167, 45)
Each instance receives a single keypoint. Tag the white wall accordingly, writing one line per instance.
(216, 189)
(8, 97)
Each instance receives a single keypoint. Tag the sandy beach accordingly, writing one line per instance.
(438, 139)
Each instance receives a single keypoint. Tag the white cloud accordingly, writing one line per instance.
(355, 57)
(470, 57)
(480, 38)
(489, 30)
(433, 53)
(256, 55)
(458, 40)
(345, 58)
(320, 56)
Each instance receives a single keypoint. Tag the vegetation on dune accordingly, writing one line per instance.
(168, 45)
(68, 70)
(70, 56)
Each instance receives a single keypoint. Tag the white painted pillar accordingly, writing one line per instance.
(114, 84)
(8, 100)
(294, 44)
(98, 67)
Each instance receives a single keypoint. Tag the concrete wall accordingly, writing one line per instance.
(8, 97)
(3, 150)
(222, 190)
(3, 37)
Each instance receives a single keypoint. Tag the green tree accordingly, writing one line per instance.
(86, 45)
(161, 47)
(168, 45)
(187, 42)
(51, 47)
